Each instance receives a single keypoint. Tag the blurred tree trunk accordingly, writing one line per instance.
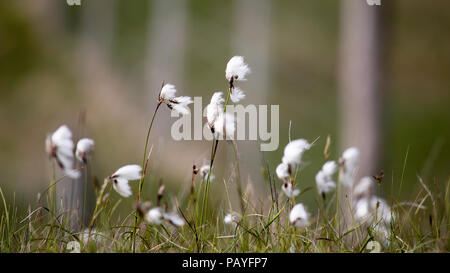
(251, 39)
(166, 47)
(360, 83)
(94, 49)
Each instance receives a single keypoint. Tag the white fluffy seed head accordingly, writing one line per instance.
(364, 187)
(299, 217)
(289, 190)
(168, 92)
(283, 171)
(237, 95)
(174, 219)
(60, 145)
(230, 219)
(129, 172)
(236, 69)
(324, 183)
(324, 179)
(374, 210)
(180, 105)
(225, 126)
(361, 209)
(351, 157)
(382, 210)
(122, 187)
(294, 150)
(154, 216)
(84, 147)
(329, 168)
(121, 177)
(204, 170)
(214, 108)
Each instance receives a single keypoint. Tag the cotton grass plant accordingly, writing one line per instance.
(197, 222)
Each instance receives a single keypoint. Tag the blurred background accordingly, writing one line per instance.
(376, 77)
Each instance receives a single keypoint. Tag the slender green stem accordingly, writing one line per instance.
(238, 178)
(52, 191)
(213, 155)
(84, 194)
(141, 182)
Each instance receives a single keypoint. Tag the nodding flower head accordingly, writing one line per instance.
(121, 177)
(236, 69)
(204, 170)
(224, 126)
(84, 147)
(299, 217)
(231, 219)
(289, 190)
(283, 171)
(324, 180)
(214, 108)
(177, 104)
(60, 146)
(156, 216)
(294, 150)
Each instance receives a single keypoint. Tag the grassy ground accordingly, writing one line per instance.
(420, 225)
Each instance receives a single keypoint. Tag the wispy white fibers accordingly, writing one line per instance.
(174, 219)
(349, 160)
(60, 146)
(224, 126)
(289, 190)
(168, 92)
(156, 216)
(177, 104)
(237, 69)
(237, 94)
(84, 147)
(324, 178)
(372, 210)
(364, 187)
(214, 108)
(204, 172)
(283, 171)
(299, 217)
(292, 157)
(121, 177)
(231, 219)
(294, 150)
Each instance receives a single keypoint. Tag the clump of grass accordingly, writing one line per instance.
(349, 216)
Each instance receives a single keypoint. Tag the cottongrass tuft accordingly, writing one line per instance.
(177, 104)
(85, 146)
(324, 179)
(59, 145)
(299, 217)
(121, 177)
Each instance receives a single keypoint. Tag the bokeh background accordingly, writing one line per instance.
(107, 59)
